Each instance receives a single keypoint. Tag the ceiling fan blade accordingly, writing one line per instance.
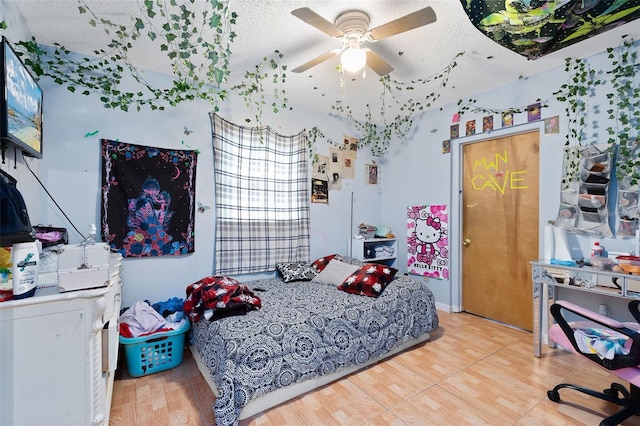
(377, 64)
(408, 22)
(315, 20)
(315, 61)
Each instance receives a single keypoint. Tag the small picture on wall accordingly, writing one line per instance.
(319, 191)
(348, 167)
(372, 174)
(455, 131)
(350, 144)
(471, 127)
(446, 146)
(507, 119)
(552, 125)
(334, 175)
(335, 180)
(534, 112)
(487, 123)
(336, 157)
(321, 167)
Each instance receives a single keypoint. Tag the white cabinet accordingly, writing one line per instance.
(375, 250)
(58, 355)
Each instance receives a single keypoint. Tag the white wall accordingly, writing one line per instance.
(417, 173)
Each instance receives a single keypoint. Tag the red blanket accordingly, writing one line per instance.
(224, 296)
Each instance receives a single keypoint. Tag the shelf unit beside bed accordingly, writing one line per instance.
(365, 250)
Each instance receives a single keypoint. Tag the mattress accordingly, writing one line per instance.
(305, 335)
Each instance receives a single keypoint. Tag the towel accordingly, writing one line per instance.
(604, 342)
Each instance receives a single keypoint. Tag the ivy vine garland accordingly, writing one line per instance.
(625, 110)
(378, 137)
(252, 90)
(200, 64)
(196, 40)
(575, 94)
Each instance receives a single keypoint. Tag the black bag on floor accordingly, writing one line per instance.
(15, 226)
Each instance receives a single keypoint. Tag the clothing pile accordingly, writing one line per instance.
(385, 251)
(142, 319)
(219, 297)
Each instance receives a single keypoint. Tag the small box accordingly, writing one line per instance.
(630, 264)
(83, 266)
(368, 232)
(628, 260)
(155, 352)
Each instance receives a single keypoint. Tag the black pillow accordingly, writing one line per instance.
(295, 271)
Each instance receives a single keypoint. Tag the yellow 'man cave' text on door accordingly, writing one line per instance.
(487, 177)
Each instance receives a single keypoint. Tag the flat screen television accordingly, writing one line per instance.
(21, 104)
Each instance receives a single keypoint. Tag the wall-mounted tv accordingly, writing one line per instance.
(20, 104)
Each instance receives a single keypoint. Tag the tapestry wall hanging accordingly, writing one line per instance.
(148, 199)
(428, 241)
(535, 28)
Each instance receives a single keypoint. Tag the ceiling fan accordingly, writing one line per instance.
(352, 29)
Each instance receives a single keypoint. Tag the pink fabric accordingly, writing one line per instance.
(590, 314)
(630, 374)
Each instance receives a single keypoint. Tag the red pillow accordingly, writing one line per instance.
(321, 263)
(369, 280)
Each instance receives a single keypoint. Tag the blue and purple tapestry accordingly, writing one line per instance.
(148, 198)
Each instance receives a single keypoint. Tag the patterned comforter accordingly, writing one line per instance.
(304, 330)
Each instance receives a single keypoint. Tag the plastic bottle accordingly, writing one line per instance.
(597, 250)
(25, 261)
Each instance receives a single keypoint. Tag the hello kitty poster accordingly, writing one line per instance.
(428, 241)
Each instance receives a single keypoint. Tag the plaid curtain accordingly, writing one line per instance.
(262, 198)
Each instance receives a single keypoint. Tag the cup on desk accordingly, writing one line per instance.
(602, 310)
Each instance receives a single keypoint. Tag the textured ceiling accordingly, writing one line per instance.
(266, 25)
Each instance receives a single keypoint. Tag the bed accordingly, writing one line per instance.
(305, 335)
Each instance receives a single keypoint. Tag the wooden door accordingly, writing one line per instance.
(500, 227)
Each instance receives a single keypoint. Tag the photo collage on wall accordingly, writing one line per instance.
(330, 170)
(507, 119)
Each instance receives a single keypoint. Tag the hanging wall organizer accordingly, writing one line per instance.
(584, 198)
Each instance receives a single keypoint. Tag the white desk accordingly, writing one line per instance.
(545, 289)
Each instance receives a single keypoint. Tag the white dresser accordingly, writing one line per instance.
(58, 355)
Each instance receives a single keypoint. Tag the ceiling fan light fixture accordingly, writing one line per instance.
(353, 59)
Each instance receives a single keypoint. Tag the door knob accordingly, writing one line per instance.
(466, 242)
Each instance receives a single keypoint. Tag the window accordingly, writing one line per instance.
(262, 198)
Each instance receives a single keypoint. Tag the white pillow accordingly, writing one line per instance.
(335, 273)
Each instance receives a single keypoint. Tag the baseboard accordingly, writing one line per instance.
(445, 308)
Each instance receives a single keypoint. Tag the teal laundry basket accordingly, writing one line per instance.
(155, 352)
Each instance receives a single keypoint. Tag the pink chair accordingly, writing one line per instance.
(625, 367)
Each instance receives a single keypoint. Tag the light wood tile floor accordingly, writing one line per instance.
(472, 372)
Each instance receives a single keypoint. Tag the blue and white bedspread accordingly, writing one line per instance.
(305, 330)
